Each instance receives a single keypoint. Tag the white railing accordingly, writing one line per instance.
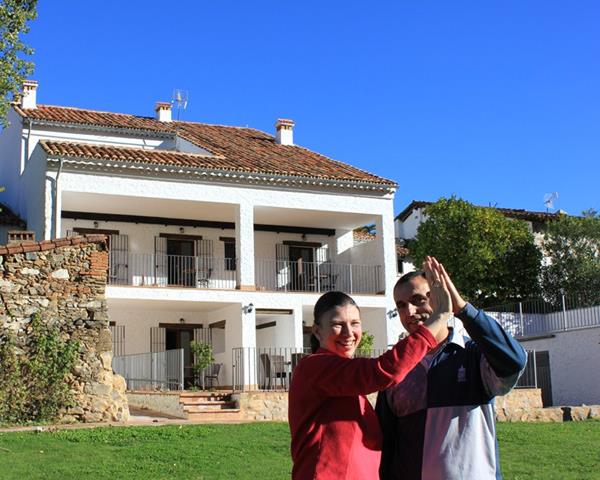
(270, 368)
(150, 269)
(287, 276)
(152, 371)
(538, 317)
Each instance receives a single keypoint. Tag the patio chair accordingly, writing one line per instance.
(296, 357)
(203, 279)
(212, 373)
(275, 368)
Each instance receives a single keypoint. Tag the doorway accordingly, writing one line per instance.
(301, 267)
(181, 262)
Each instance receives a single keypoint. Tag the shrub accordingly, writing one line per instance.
(34, 383)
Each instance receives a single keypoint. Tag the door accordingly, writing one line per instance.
(302, 275)
(542, 363)
(180, 337)
(181, 268)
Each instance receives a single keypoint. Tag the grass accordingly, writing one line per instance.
(259, 451)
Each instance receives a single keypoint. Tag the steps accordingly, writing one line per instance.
(209, 407)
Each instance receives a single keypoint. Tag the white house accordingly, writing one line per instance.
(216, 232)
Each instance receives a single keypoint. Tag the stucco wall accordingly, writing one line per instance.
(574, 361)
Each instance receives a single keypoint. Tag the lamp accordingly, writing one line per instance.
(392, 313)
(95, 224)
(248, 308)
(181, 229)
(182, 320)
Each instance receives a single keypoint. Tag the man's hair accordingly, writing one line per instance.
(407, 277)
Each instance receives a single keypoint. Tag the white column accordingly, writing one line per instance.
(387, 250)
(240, 334)
(297, 328)
(48, 227)
(244, 246)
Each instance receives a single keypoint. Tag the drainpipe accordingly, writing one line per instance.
(55, 203)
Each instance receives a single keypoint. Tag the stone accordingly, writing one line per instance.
(106, 359)
(30, 271)
(98, 389)
(62, 274)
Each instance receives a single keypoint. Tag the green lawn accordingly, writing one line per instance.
(259, 451)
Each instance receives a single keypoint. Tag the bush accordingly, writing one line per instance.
(34, 383)
(203, 356)
(366, 344)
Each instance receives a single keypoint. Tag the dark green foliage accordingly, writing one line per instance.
(14, 69)
(203, 355)
(490, 258)
(33, 378)
(572, 245)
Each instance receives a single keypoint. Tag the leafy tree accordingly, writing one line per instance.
(203, 356)
(366, 344)
(572, 247)
(14, 69)
(491, 259)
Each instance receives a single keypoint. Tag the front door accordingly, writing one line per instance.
(180, 337)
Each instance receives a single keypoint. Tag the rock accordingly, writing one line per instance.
(62, 274)
(30, 271)
(106, 359)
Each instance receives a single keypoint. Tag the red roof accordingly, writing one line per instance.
(236, 148)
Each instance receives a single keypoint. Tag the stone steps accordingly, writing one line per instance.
(209, 407)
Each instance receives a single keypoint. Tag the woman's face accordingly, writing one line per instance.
(340, 330)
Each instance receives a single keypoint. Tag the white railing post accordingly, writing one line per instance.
(564, 309)
(181, 370)
(535, 382)
(521, 319)
(350, 268)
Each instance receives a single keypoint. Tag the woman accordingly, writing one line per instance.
(335, 433)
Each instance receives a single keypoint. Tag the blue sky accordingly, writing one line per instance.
(497, 102)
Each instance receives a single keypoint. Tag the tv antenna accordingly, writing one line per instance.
(179, 98)
(549, 200)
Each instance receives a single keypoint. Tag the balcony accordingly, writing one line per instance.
(160, 270)
(298, 276)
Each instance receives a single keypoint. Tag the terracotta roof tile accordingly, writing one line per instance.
(237, 148)
(520, 214)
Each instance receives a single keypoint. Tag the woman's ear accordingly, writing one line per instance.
(316, 332)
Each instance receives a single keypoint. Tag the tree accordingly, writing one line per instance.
(491, 259)
(14, 69)
(572, 247)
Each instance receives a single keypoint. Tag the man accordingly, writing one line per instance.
(438, 423)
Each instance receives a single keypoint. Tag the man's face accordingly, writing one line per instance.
(412, 302)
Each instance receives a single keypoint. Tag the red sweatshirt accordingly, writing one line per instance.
(335, 432)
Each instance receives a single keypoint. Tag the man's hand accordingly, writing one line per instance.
(440, 298)
(457, 301)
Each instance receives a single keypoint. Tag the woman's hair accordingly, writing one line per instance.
(326, 303)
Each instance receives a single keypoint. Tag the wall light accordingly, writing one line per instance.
(182, 320)
(181, 229)
(392, 313)
(248, 308)
(95, 224)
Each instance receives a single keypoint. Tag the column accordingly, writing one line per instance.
(244, 246)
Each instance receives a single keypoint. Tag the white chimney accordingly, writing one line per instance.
(285, 131)
(28, 98)
(163, 111)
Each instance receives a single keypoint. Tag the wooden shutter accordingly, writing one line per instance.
(157, 339)
(203, 335)
(161, 269)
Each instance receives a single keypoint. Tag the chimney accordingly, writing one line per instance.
(285, 131)
(28, 98)
(163, 111)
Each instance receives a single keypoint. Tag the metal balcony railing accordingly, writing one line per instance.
(151, 371)
(151, 269)
(295, 276)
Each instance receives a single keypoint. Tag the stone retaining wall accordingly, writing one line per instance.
(519, 405)
(64, 281)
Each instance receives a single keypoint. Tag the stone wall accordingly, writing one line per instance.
(163, 402)
(64, 281)
(262, 406)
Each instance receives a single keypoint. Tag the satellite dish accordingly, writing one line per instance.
(180, 99)
(549, 200)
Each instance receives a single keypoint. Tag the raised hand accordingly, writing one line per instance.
(439, 298)
(458, 303)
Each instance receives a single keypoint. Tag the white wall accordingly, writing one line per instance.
(10, 160)
(574, 362)
(34, 195)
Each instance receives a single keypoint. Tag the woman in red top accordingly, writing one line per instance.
(335, 432)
